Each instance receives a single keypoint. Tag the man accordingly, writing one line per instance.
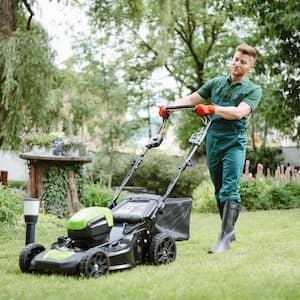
(233, 98)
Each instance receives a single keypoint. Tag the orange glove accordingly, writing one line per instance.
(163, 113)
(202, 110)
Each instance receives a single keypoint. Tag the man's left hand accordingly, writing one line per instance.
(202, 110)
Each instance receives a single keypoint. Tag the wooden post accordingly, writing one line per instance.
(35, 179)
(4, 176)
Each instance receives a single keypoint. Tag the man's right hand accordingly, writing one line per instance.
(163, 113)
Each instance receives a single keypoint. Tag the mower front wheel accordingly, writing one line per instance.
(27, 254)
(94, 264)
(162, 249)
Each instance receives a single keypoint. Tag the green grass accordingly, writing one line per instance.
(264, 263)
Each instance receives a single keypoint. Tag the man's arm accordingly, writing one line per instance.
(232, 112)
(192, 99)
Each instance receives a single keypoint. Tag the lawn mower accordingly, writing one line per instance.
(142, 228)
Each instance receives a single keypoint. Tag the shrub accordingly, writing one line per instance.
(204, 197)
(96, 195)
(156, 172)
(286, 196)
(101, 167)
(11, 204)
(260, 194)
(255, 195)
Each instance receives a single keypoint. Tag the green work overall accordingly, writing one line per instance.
(226, 139)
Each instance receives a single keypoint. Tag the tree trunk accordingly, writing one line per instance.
(8, 17)
(8, 24)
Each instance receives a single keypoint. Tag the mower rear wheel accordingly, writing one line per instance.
(94, 264)
(162, 249)
(27, 254)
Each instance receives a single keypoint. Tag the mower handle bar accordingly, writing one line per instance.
(179, 107)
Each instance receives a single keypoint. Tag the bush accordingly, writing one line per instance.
(101, 167)
(260, 194)
(255, 195)
(155, 174)
(265, 194)
(286, 196)
(204, 197)
(11, 204)
(96, 195)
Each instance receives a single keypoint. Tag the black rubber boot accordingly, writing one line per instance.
(221, 208)
(230, 213)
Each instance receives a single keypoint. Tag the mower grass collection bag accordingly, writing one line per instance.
(175, 218)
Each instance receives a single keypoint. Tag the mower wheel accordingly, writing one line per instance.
(27, 254)
(162, 249)
(94, 264)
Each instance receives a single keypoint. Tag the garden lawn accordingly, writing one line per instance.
(264, 263)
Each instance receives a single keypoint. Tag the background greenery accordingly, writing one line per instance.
(260, 194)
(190, 41)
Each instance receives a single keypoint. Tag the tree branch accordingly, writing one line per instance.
(177, 78)
(27, 5)
(189, 43)
(142, 40)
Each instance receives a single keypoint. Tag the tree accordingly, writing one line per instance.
(186, 39)
(98, 101)
(27, 73)
(279, 26)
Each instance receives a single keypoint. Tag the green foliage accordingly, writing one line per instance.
(18, 184)
(182, 38)
(189, 123)
(255, 195)
(203, 197)
(27, 76)
(260, 194)
(266, 194)
(286, 196)
(11, 205)
(102, 166)
(269, 157)
(55, 186)
(96, 195)
(278, 35)
(155, 174)
(55, 190)
(39, 139)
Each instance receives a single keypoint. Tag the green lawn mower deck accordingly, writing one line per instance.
(100, 240)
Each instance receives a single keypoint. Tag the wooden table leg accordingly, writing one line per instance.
(73, 201)
(35, 179)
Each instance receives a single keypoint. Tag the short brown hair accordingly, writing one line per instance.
(246, 49)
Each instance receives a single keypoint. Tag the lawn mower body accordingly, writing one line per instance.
(140, 234)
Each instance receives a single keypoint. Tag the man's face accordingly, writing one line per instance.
(241, 64)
